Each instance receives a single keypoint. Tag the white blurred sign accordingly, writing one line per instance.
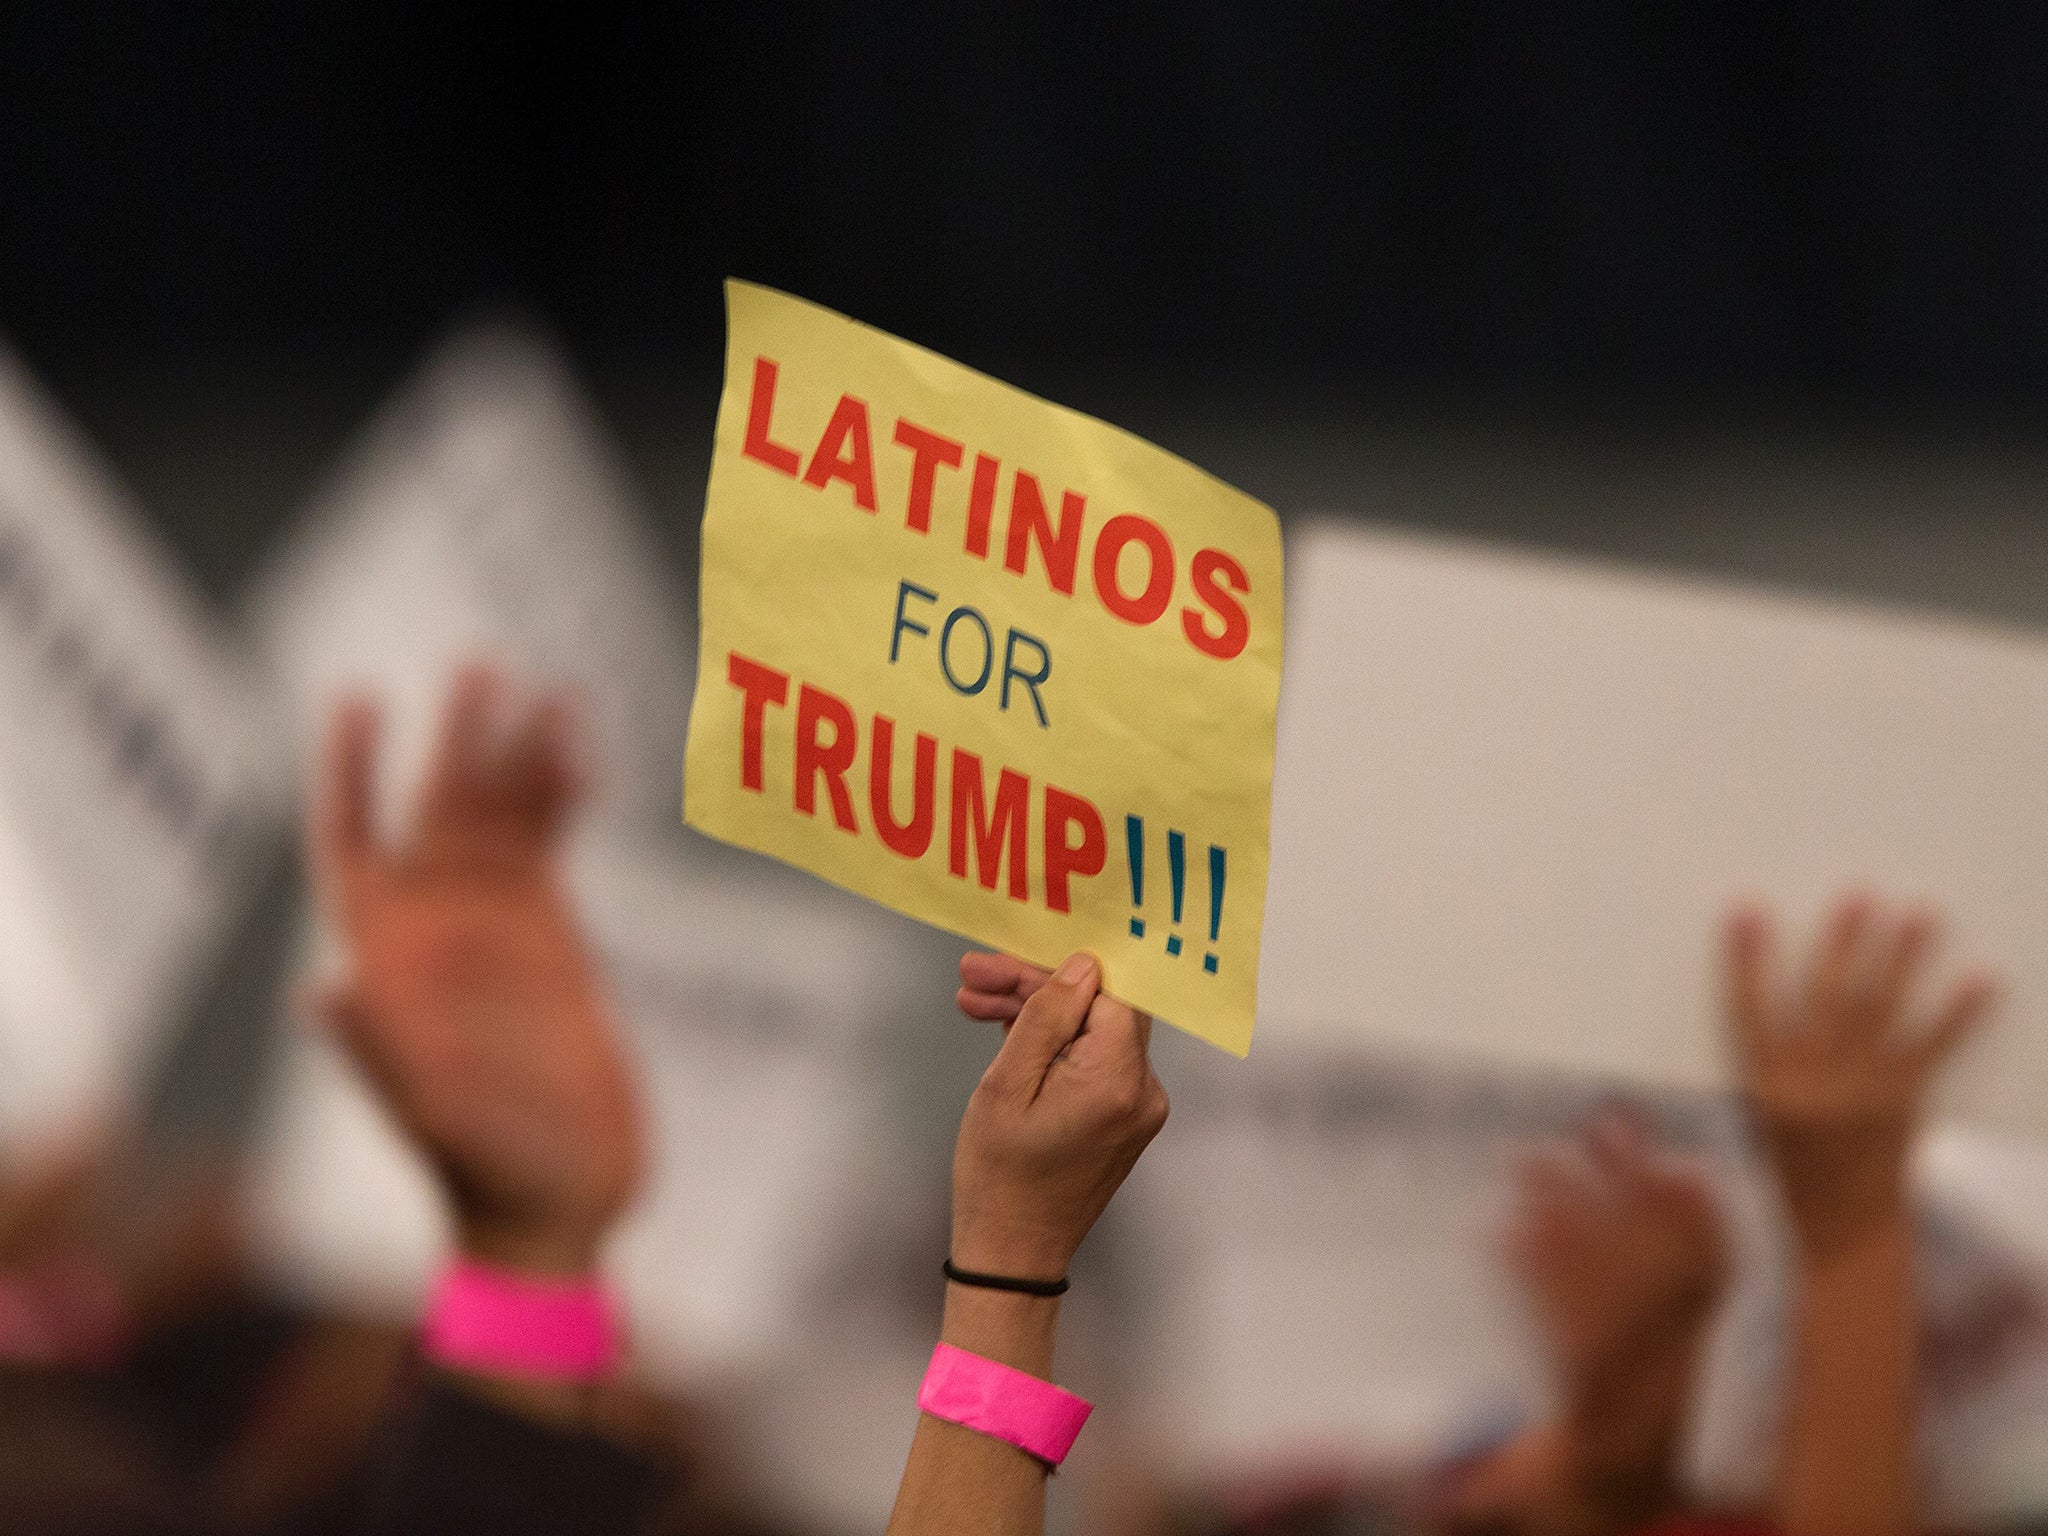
(757, 1007)
(135, 775)
(1514, 795)
(1325, 1232)
(485, 514)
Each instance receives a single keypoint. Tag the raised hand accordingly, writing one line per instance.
(1058, 1120)
(1836, 1069)
(1619, 1245)
(470, 1000)
(1055, 1124)
(1621, 1251)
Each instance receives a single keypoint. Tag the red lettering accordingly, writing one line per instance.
(1206, 567)
(993, 828)
(1118, 534)
(846, 452)
(1059, 548)
(815, 756)
(909, 838)
(981, 504)
(928, 452)
(1062, 858)
(763, 686)
(760, 408)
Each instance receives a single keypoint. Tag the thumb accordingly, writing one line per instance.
(1047, 1024)
(344, 1014)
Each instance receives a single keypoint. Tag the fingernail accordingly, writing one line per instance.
(1075, 969)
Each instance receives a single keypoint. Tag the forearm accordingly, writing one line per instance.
(1625, 1436)
(959, 1482)
(1848, 1466)
(1604, 1463)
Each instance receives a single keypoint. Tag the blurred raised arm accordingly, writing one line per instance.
(1836, 1068)
(469, 999)
(1621, 1252)
(471, 1004)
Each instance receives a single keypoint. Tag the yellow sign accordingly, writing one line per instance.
(988, 661)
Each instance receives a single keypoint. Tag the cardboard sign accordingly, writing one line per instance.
(1517, 794)
(986, 660)
(139, 777)
(484, 514)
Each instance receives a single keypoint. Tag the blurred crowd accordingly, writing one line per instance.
(154, 1382)
(410, 1126)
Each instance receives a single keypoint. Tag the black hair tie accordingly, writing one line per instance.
(1005, 1282)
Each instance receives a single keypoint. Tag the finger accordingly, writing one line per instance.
(537, 780)
(985, 972)
(1900, 964)
(564, 762)
(1749, 979)
(342, 840)
(1968, 1006)
(344, 1014)
(1684, 1181)
(1621, 1151)
(1555, 1189)
(989, 1007)
(1620, 1137)
(458, 780)
(1116, 1035)
(1830, 994)
(1047, 1024)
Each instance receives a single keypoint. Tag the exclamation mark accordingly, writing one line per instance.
(1177, 868)
(1215, 904)
(1134, 840)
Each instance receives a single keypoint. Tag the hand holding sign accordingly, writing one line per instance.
(988, 661)
(1056, 1124)
(472, 1005)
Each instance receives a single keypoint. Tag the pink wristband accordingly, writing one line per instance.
(498, 1323)
(993, 1399)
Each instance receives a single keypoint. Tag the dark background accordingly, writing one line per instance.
(1257, 232)
(1600, 197)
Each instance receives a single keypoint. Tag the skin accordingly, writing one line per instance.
(1836, 1066)
(470, 1002)
(1055, 1125)
(1621, 1251)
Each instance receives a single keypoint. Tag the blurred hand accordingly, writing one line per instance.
(1056, 1123)
(1621, 1249)
(1836, 1070)
(1619, 1246)
(471, 1004)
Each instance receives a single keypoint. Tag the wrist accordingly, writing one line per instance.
(559, 1249)
(484, 1321)
(1828, 1241)
(993, 1249)
(1879, 1240)
(1005, 1326)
